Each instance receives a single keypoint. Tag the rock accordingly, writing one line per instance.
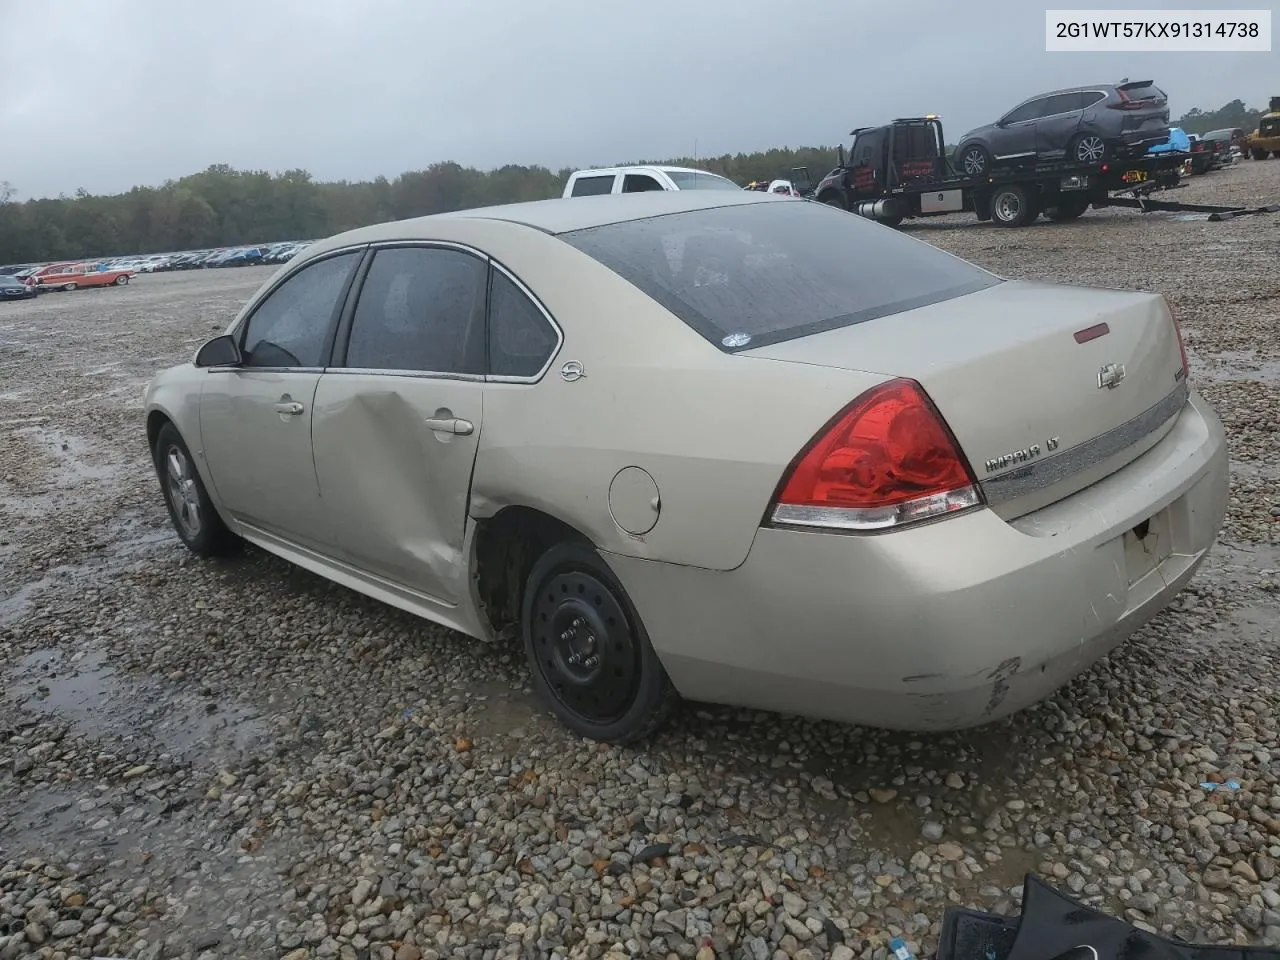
(955, 781)
(841, 952)
(794, 904)
(360, 894)
(931, 831)
(950, 851)
(882, 794)
(67, 928)
(1216, 878)
(408, 951)
(1242, 869)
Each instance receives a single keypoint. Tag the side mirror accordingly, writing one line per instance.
(220, 352)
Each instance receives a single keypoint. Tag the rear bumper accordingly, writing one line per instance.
(952, 625)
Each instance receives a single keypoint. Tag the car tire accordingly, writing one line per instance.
(121, 280)
(1067, 208)
(194, 517)
(832, 198)
(576, 611)
(973, 161)
(68, 287)
(1088, 148)
(1012, 206)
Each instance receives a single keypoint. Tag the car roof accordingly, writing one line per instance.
(558, 215)
(665, 168)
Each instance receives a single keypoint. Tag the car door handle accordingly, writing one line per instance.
(290, 408)
(452, 425)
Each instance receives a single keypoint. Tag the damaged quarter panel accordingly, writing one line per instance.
(709, 428)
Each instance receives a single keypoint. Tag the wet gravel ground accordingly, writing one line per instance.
(203, 759)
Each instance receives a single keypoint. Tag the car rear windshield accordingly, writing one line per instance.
(760, 273)
(688, 180)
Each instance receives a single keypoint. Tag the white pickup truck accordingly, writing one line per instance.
(588, 183)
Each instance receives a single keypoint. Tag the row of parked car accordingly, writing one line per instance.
(22, 281)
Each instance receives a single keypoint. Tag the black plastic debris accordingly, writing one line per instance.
(1055, 927)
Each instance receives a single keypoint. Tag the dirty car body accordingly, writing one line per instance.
(719, 445)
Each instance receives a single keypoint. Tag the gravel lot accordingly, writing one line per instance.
(238, 759)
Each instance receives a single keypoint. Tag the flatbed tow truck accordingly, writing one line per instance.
(901, 170)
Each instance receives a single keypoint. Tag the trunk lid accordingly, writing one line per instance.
(1047, 388)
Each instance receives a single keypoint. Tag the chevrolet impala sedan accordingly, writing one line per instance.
(725, 446)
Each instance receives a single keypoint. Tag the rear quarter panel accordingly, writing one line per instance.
(715, 431)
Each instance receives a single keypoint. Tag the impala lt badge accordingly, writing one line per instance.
(1016, 457)
(1110, 376)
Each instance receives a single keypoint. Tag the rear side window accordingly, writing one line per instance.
(745, 276)
(521, 340)
(592, 186)
(697, 180)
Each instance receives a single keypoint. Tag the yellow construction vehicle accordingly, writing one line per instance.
(1265, 141)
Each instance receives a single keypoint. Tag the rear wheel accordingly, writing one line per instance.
(832, 198)
(973, 161)
(194, 518)
(121, 280)
(1067, 208)
(68, 287)
(589, 654)
(1087, 148)
(1012, 206)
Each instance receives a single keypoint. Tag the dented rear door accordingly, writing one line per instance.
(398, 416)
(394, 456)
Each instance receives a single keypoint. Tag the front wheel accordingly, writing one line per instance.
(1258, 154)
(194, 518)
(832, 198)
(589, 654)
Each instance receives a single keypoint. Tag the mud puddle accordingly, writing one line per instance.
(123, 540)
(85, 691)
(1230, 366)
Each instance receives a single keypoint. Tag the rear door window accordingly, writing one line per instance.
(745, 276)
(420, 309)
(639, 183)
(592, 186)
(1061, 103)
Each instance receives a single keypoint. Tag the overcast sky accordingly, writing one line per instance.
(106, 95)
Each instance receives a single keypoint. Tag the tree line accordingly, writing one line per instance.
(222, 206)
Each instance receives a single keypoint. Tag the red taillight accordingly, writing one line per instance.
(886, 460)
(1182, 346)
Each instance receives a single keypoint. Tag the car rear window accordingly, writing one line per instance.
(748, 275)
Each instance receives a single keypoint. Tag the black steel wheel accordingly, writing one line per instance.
(588, 651)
